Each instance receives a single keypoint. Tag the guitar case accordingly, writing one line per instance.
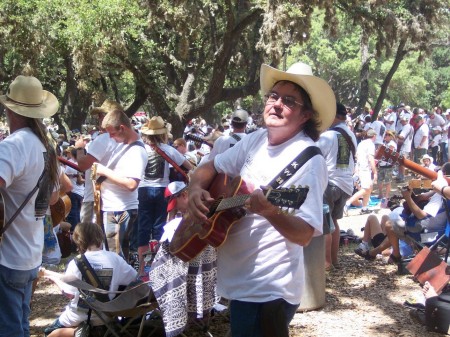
(437, 313)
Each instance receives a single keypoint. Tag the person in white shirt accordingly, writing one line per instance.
(366, 170)
(339, 151)
(260, 264)
(390, 119)
(436, 137)
(380, 129)
(405, 141)
(385, 170)
(26, 156)
(420, 140)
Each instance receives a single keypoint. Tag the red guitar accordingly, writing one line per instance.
(191, 238)
(384, 153)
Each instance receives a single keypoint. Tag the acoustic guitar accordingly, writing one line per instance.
(191, 237)
(392, 157)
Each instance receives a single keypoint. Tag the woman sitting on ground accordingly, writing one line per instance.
(109, 267)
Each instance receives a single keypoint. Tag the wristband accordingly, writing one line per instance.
(442, 191)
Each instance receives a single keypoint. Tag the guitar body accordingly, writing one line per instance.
(191, 238)
(61, 209)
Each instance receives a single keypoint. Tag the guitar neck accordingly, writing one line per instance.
(69, 163)
(198, 139)
(384, 152)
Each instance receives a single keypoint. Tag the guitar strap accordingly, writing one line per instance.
(90, 276)
(170, 161)
(10, 221)
(117, 157)
(348, 139)
(294, 166)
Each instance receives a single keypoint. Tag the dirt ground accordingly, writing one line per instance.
(362, 299)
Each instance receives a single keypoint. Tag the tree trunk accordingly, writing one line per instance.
(364, 74)
(399, 56)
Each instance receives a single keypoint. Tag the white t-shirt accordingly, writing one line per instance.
(407, 133)
(71, 173)
(256, 263)
(392, 117)
(422, 131)
(21, 165)
(437, 221)
(110, 268)
(223, 143)
(380, 130)
(131, 164)
(156, 173)
(365, 149)
(435, 140)
(101, 148)
(338, 157)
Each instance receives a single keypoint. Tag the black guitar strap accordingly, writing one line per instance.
(294, 166)
(10, 221)
(90, 276)
(348, 139)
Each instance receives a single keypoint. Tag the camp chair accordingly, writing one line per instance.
(120, 313)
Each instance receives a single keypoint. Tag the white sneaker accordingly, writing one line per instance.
(364, 246)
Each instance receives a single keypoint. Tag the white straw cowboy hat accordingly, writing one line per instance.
(426, 156)
(155, 126)
(27, 98)
(321, 95)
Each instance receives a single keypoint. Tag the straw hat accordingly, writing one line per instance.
(155, 126)
(27, 98)
(426, 156)
(107, 106)
(321, 95)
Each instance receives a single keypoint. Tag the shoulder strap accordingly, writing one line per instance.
(235, 136)
(294, 166)
(171, 162)
(117, 157)
(348, 139)
(90, 276)
(10, 221)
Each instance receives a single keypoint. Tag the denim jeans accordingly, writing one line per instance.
(152, 213)
(74, 215)
(121, 231)
(250, 319)
(15, 295)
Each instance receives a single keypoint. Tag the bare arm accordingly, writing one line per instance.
(418, 213)
(199, 197)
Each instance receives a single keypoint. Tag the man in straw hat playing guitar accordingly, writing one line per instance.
(260, 264)
(26, 157)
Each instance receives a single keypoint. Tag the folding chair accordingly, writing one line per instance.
(119, 314)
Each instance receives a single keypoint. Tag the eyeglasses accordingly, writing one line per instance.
(287, 101)
(175, 145)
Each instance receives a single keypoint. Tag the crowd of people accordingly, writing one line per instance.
(119, 176)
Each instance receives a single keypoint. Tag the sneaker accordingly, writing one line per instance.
(365, 211)
(364, 246)
(365, 254)
(346, 210)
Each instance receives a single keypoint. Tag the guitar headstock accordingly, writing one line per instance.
(292, 197)
(391, 156)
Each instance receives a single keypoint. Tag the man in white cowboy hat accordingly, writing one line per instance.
(260, 264)
(427, 161)
(99, 150)
(23, 156)
(122, 175)
(152, 203)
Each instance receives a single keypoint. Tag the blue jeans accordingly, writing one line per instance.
(152, 214)
(15, 295)
(120, 230)
(250, 319)
(74, 215)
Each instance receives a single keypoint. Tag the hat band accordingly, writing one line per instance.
(24, 104)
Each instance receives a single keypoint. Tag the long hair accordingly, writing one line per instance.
(155, 139)
(40, 130)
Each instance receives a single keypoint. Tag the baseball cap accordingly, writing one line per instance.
(371, 133)
(239, 116)
(172, 191)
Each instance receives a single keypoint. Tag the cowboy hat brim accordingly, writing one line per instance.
(47, 108)
(321, 95)
(147, 131)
